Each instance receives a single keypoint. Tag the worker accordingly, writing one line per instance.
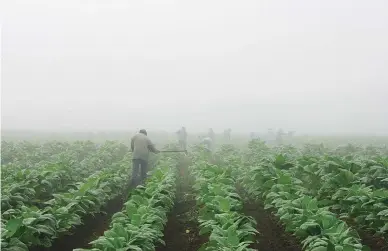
(254, 136)
(279, 136)
(227, 134)
(207, 144)
(141, 145)
(182, 137)
(211, 134)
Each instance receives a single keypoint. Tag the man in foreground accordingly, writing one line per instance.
(141, 145)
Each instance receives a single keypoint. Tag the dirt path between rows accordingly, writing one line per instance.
(271, 236)
(374, 242)
(181, 232)
(182, 228)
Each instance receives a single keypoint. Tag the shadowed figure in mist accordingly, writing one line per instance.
(182, 138)
(141, 146)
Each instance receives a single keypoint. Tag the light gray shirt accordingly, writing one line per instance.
(141, 146)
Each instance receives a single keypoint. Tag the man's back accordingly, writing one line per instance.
(141, 144)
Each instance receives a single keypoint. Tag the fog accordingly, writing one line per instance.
(309, 66)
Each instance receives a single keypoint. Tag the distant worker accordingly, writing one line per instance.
(254, 136)
(141, 145)
(227, 134)
(211, 134)
(207, 143)
(279, 136)
(182, 137)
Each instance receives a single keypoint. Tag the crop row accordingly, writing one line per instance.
(301, 213)
(139, 226)
(30, 226)
(25, 155)
(340, 185)
(34, 186)
(352, 183)
(219, 209)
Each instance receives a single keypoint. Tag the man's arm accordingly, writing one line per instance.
(152, 148)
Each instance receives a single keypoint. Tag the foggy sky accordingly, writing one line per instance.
(309, 66)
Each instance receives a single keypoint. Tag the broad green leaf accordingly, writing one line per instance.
(12, 226)
(365, 248)
(320, 248)
(233, 239)
(224, 204)
(348, 248)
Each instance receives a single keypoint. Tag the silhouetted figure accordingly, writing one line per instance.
(141, 146)
(227, 134)
(182, 138)
(211, 135)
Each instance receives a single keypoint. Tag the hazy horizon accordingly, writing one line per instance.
(308, 66)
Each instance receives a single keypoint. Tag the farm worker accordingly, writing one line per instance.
(279, 136)
(227, 134)
(254, 135)
(211, 134)
(207, 142)
(182, 137)
(141, 145)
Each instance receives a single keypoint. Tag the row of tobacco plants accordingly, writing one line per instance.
(139, 226)
(315, 194)
(219, 208)
(40, 201)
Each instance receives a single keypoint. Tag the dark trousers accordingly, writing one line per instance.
(139, 172)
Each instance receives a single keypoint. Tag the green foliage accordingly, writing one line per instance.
(139, 226)
(219, 209)
(306, 193)
(39, 203)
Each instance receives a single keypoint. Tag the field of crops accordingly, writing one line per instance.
(75, 196)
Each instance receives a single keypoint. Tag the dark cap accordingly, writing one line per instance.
(143, 131)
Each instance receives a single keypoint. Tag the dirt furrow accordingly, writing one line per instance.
(182, 229)
(272, 236)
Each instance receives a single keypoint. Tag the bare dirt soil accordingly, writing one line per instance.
(182, 228)
(374, 242)
(181, 232)
(272, 236)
